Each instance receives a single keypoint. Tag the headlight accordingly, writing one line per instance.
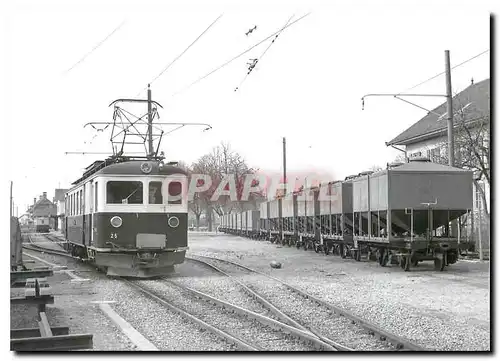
(116, 221)
(173, 222)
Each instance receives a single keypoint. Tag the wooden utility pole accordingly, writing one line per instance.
(449, 108)
(150, 125)
(284, 165)
(11, 201)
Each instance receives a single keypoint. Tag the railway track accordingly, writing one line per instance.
(35, 246)
(246, 330)
(322, 319)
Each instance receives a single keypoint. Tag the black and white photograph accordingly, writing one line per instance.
(275, 176)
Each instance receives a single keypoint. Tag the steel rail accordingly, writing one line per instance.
(303, 335)
(400, 343)
(37, 248)
(225, 336)
(273, 309)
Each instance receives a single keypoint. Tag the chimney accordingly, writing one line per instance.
(44, 195)
(34, 201)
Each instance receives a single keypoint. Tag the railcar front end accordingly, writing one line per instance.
(130, 218)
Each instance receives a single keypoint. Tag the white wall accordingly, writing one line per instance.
(60, 208)
(427, 144)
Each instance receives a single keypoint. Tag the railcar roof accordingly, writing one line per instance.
(132, 167)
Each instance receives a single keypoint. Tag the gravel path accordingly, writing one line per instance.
(439, 310)
(245, 329)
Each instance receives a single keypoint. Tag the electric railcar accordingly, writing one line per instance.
(129, 217)
(42, 224)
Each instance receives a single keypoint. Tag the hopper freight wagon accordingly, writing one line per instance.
(403, 214)
(406, 212)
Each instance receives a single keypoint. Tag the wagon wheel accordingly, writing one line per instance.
(327, 250)
(440, 262)
(380, 256)
(338, 250)
(407, 263)
(383, 257)
(342, 251)
(402, 261)
(414, 260)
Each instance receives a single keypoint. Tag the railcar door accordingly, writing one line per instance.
(93, 209)
(82, 212)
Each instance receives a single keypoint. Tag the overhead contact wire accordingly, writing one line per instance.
(181, 54)
(95, 48)
(238, 56)
(435, 76)
(262, 55)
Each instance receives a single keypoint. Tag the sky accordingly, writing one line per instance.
(307, 87)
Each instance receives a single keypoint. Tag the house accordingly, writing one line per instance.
(25, 220)
(43, 207)
(429, 138)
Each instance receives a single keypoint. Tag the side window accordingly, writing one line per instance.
(96, 198)
(82, 203)
(435, 155)
(124, 192)
(174, 193)
(155, 196)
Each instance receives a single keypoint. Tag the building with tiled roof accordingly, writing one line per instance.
(43, 207)
(470, 105)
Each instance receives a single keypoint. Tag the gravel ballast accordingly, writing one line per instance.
(243, 328)
(167, 330)
(438, 310)
(306, 312)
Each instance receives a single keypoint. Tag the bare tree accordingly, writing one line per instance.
(375, 168)
(400, 158)
(221, 161)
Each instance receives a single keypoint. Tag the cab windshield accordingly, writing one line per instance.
(124, 192)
